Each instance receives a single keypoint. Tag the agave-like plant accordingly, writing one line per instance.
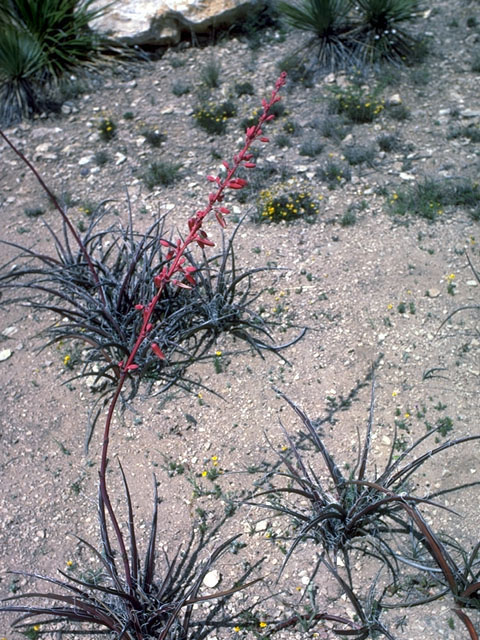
(330, 22)
(129, 600)
(96, 285)
(382, 32)
(40, 42)
(343, 510)
(21, 59)
(133, 603)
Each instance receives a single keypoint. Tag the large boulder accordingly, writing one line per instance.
(163, 22)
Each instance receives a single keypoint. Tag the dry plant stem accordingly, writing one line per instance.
(62, 213)
(176, 258)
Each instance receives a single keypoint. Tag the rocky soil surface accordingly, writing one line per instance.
(370, 286)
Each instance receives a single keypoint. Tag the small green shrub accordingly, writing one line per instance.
(291, 127)
(282, 140)
(429, 198)
(275, 206)
(176, 62)
(357, 103)
(334, 127)
(334, 174)
(311, 148)
(107, 129)
(180, 88)
(244, 89)
(210, 74)
(349, 218)
(469, 131)
(161, 173)
(34, 212)
(475, 66)
(297, 70)
(213, 118)
(388, 142)
(154, 137)
(128, 115)
(398, 112)
(101, 158)
(358, 154)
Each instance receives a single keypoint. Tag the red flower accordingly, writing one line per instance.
(157, 351)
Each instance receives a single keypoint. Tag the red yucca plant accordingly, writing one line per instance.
(131, 603)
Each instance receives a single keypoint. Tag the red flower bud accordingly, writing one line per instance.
(182, 285)
(211, 179)
(165, 243)
(249, 165)
(139, 307)
(157, 351)
(263, 139)
(220, 219)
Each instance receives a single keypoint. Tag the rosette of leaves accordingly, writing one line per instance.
(330, 22)
(39, 43)
(358, 510)
(127, 599)
(382, 30)
(104, 315)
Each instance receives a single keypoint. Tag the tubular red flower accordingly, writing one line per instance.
(220, 219)
(157, 351)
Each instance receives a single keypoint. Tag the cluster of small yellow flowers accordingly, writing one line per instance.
(66, 360)
(213, 472)
(87, 209)
(213, 117)
(394, 197)
(107, 129)
(274, 207)
(358, 105)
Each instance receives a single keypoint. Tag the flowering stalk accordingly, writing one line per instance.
(65, 218)
(176, 273)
